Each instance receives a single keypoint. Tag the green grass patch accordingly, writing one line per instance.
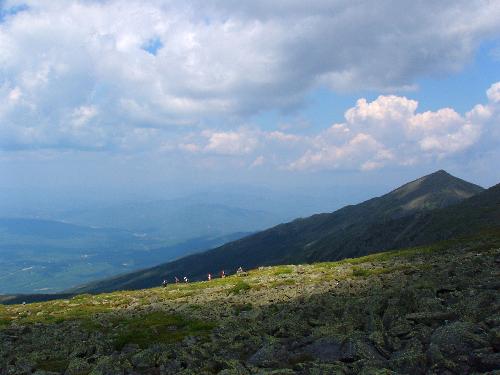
(240, 287)
(4, 318)
(4, 322)
(158, 327)
(282, 270)
(387, 255)
(239, 308)
(366, 272)
(277, 283)
(81, 298)
(56, 365)
(424, 284)
(52, 313)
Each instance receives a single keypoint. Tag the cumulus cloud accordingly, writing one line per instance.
(493, 93)
(230, 143)
(344, 156)
(389, 131)
(239, 142)
(173, 64)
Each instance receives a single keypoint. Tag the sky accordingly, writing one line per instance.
(116, 100)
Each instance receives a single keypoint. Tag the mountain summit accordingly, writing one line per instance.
(436, 190)
(380, 223)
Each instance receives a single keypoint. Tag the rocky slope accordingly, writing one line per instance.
(427, 310)
(388, 222)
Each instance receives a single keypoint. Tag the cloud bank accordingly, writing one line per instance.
(157, 75)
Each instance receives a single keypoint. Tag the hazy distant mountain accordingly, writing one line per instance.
(175, 221)
(305, 202)
(380, 223)
(48, 256)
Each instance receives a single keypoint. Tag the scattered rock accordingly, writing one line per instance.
(269, 355)
(324, 350)
(430, 318)
(452, 344)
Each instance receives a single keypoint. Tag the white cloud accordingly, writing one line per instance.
(15, 94)
(493, 93)
(346, 156)
(283, 137)
(230, 143)
(259, 160)
(216, 60)
(443, 131)
(389, 131)
(383, 112)
(189, 147)
(82, 115)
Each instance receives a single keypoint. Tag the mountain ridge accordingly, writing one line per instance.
(327, 236)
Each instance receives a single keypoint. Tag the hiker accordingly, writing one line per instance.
(209, 276)
(176, 280)
(222, 274)
(165, 283)
(186, 280)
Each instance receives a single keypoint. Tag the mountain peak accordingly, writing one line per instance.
(441, 176)
(441, 172)
(435, 190)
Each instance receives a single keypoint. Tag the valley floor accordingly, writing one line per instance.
(428, 310)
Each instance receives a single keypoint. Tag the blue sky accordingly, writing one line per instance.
(159, 98)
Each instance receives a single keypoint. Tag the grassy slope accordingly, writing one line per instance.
(207, 327)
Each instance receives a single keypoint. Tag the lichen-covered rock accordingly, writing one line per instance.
(144, 359)
(325, 350)
(411, 360)
(78, 366)
(358, 347)
(451, 346)
(269, 355)
(110, 365)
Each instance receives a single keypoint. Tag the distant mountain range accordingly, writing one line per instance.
(434, 207)
(175, 221)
